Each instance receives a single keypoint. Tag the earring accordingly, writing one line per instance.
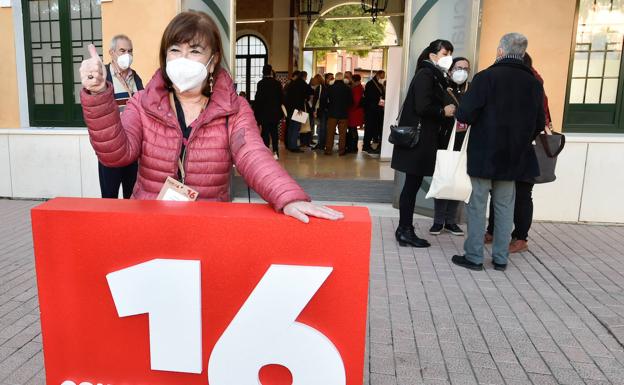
(211, 82)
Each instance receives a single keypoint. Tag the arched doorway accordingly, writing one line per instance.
(251, 56)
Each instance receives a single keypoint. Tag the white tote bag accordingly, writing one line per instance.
(300, 116)
(450, 178)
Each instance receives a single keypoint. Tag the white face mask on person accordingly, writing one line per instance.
(445, 62)
(187, 74)
(124, 61)
(459, 76)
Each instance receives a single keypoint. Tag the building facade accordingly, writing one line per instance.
(576, 46)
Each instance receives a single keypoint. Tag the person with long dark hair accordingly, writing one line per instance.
(426, 102)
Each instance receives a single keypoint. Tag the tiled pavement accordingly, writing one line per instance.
(555, 316)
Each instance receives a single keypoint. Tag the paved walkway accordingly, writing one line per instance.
(556, 316)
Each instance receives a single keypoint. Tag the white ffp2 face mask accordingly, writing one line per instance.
(459, 76)
(445, 62)
(124, 61)
(187, 74)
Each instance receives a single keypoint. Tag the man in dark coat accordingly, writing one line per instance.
(268, 107)
(374, 96)
(297, 94)
(319, 105)
(339, 99)
(504, 105)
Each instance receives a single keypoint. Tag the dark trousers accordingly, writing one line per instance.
(372, 129)
(523, 212)
(445, 212)
(113, 177)
(407, 201)
(342, 132)
(270, 134)
(352, 139)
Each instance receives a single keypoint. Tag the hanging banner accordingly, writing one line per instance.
(196, 293)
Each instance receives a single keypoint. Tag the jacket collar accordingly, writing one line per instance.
(437, 73)
(223, 101)
(512, 63)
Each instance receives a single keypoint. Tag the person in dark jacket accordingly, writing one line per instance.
(523, 207)
(505, 108)
(374, 96)
(297, 94)
(319, 105)
(445, 211)
(126, 82)
(426, 104)
(268, 107)
(339, 99)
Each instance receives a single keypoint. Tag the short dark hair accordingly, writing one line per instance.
(191, 27)
(267, 70)
(356, 78)
(296, 73)
(458, 59)
(303, 74)
(328, 75)
(433, 48)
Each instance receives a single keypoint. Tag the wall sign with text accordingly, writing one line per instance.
(164, 293)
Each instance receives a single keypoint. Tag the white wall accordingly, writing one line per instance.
(45, 163)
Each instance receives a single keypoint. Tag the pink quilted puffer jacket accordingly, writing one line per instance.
(148, 130)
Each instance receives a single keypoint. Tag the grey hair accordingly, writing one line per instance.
(339, 76)
(113, 44)
(514, 44)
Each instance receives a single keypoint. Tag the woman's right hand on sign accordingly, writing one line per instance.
(449, 111)
(93, 72)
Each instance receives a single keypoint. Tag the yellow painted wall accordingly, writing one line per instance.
(144, 23)
(550, 40)
(9, 107)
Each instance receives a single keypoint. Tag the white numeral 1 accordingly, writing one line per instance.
(265, 332)
(169, 290)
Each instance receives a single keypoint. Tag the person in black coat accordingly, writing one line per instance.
(339, 99)
(426, 104)
(505, 108)
(297, 94)
(445, 211)
(319, 106)
(268, 107)
(373, 103)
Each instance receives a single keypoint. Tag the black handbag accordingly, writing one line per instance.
(405, 136)
(547, 148)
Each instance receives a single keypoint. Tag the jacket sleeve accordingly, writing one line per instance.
(255, 162)
(473, 101)
(116, 138)
(540, 122)
(425, 103)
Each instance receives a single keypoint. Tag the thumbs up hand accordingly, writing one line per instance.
(93, 72)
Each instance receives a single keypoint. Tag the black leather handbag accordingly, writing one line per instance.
(405, 136)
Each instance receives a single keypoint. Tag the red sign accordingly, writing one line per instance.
(164, 293)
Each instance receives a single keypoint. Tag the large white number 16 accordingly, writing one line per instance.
(263, 332)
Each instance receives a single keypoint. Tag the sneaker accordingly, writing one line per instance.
(518, 246)
(489, 238)
(454, 229)
(275, 156)
(499, 266)
(461, 260)
(436, 229)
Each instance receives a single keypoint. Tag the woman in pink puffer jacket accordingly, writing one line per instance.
(188, 124)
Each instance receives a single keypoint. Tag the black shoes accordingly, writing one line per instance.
(436, 229)
(454, 229)
(461, 260)
(406, 237)
(499, 266)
